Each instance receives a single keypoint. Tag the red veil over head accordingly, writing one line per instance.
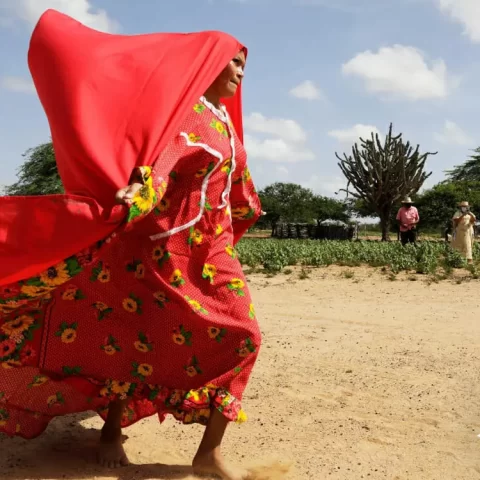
(112, 102)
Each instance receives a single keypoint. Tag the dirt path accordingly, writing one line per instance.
(358, 378)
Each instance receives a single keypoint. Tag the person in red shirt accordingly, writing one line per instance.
(408, 219)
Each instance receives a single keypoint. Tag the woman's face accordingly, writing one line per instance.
(227, 82)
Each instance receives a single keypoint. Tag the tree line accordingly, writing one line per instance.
(378, 174)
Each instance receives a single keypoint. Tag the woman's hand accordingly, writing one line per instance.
(126, 194)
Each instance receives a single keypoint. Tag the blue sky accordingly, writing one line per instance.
(320, 73)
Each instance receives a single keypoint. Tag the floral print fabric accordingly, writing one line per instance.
(159, 312)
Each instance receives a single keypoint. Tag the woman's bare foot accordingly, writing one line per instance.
(213, 464)
(110, 452)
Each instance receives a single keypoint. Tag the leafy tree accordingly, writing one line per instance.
(327, 208)
(468, 171)
(38, 175)
(438, 204)
(381, 175)
(288, 202)
(359, 208)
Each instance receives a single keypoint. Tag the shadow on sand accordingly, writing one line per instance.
(69, 454)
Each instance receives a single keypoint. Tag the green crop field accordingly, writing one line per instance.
(427, 257)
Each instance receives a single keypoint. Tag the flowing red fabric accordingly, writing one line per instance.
(112, 102)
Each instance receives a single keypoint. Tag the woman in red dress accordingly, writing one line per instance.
(156, 317)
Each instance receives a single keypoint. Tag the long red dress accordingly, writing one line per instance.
(159, 311)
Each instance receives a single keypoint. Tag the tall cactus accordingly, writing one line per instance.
(381, 175)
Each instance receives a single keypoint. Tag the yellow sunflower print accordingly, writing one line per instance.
(120, 387)
(144, 198)
(55, 276)
(9, 307)
(130, 305)
(11, 364)
(104, 275)
(237, 283)
(39, 380)
(141, 347)
(196, 306)
(69, 335)
(195, 237)
(18, 325)
(241, 212)
(69, 294)
(176, 279)
(209, 272)
(160, 296)
(158, 253)
(230, 250)
(145, 369)
(219, 127)
(227, 166)
(109, 349)
(163, 205)
(213, 332)
(34, 291)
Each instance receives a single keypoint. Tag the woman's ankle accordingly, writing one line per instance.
(111, 432)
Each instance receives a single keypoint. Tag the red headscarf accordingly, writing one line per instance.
(112, 102)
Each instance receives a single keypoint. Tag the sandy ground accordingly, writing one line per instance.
(358, 378)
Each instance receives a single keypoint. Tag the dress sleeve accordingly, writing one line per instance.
(154, 180)
(245, 204)
(148, 196)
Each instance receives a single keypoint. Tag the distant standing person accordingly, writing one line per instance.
(463, 231)
(408, 219)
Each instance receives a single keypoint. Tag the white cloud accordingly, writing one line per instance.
(452, 134)
(276, 139)
(82, 10)
(326, 185)
(17, 84)
(466, 12)
(400, 72)
(282, 170)
(307, 90)
(349, 136)
(287, 129)
(350, 6)
(277, 150)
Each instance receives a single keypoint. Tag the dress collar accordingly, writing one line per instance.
(221, 112)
